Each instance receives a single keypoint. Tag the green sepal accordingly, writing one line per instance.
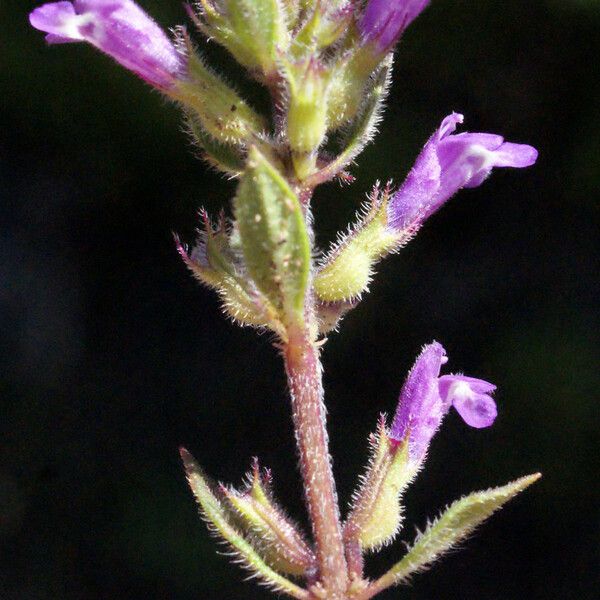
(273, 236)
(307, 105)
(224, 157)
(214, 261)
(325, 25)
(278, 539)
(362, 129)
(345, 273)
(219, 108)
(330, 314)
(455, 523)
(216, 515)
(292, 10)
(376, 514)
(254, 31)
(353, 73)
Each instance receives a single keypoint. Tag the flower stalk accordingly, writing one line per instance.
(327, 66)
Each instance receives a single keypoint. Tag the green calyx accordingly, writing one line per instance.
(283, 547)
(376, 515)
(254, 31)
(216, 107)
(346, 271)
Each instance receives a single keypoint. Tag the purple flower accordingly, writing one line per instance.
(447, 163)
(119, 28)
(384, 21)
(426, 398)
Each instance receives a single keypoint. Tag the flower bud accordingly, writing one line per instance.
(254, 31)
(279, 540)
(308, 84)
(384, 21)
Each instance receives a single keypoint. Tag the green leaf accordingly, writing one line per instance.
(216, 515)
(456, 523)
(274, 236)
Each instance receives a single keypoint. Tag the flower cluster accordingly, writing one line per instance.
(327, 68)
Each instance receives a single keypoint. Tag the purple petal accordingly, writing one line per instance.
(57, 19)
(119, 28)
(447, 163)
(420, 406)
(384, 21)
(470, 397)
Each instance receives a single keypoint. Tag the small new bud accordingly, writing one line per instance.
(308, 83)
(282, 546)
(327, 24)
(254, 31)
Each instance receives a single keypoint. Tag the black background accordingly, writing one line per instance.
(111, 356)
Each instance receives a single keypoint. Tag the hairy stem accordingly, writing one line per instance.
(303, 369)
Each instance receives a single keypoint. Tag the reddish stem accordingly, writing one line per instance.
(303, 369)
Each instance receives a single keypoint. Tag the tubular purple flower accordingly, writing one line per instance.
(384, 21)
(447, 163)
(426, 398)
(119, 28)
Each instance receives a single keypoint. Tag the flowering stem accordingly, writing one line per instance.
(303, 368)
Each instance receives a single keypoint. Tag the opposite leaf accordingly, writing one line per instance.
(218, 520)
(450, 528)
(273, 235)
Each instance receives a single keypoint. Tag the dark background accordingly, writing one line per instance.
(111, 356)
